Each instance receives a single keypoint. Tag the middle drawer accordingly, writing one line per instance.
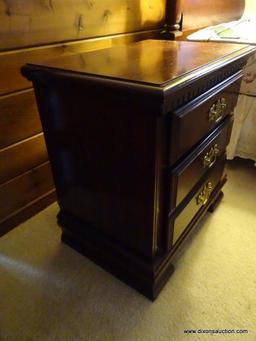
(180, 222)
(187, 174)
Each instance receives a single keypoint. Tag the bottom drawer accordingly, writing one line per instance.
(178, 223)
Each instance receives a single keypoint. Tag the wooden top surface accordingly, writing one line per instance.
(155, 62)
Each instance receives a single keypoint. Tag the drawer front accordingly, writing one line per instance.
(194, 121)
(200, 198)
(197, 164)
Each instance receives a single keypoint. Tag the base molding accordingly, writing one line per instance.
(137, 272)
(216, 202)
(148, 276)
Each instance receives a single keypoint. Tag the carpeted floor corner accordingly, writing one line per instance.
(48, 292)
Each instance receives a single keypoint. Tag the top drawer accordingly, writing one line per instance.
(195, 120)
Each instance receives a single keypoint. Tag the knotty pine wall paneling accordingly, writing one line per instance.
(33, 31)
(32, 22)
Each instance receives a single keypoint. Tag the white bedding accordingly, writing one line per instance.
(242, 31)
(243, 136)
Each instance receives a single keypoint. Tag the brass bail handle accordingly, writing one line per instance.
(217, 110)
(211, 157)
(203, 196)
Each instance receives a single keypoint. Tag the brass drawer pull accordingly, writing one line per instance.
(211, 157)
(217, 110)
(203, 196)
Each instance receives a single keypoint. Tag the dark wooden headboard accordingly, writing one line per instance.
(202, 13)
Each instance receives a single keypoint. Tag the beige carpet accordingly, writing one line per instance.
(49, 292)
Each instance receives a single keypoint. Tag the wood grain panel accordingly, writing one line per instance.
(12, 61)
(20, 157)
(19, 117)
(27, 211)
(23, 189)
(43, 22)
(200, 13)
